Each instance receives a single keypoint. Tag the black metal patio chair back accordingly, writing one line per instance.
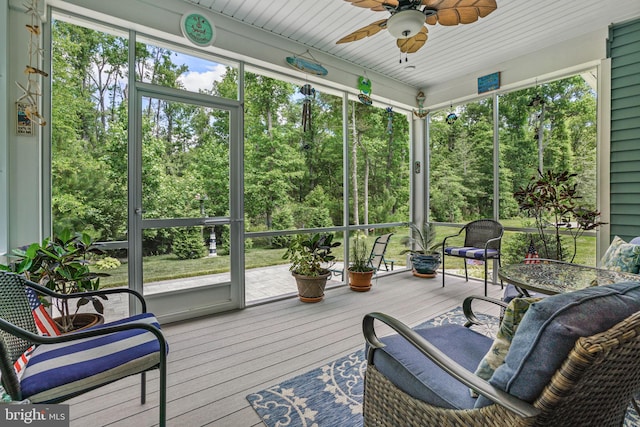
(378, 250)
(482, 240)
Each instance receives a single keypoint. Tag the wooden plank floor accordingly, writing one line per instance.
(216, 361)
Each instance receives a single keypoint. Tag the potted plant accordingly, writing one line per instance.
(552, 200)
(424, 256)
(311, 258)
(61, 264)
(360, 270)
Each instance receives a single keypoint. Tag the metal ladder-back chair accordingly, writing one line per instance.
(376, 258)
(48, 377)
(481, 242)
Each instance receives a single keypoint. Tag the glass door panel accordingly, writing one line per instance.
(185, 206)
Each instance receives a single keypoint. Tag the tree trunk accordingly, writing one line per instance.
(366, 191)
(354, 168)
(541, 140)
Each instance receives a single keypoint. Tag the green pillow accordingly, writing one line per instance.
(513, 314)
(621, 256)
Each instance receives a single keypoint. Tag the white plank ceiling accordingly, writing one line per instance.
(516, 28)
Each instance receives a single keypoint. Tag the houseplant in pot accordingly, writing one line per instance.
(424, 256)
(311, 259)
(360, 271)
(62, 265)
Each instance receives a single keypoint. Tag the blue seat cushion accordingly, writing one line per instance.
(419, 377)
(550, 329)
(59, 370)
(470, 252)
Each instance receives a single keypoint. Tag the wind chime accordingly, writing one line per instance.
(452, 116)
(389, 120)
(309, 93)
(31, 91)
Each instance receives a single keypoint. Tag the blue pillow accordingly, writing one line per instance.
(549, 331)
(621, 256)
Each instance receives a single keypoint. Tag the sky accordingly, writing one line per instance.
(201, 74)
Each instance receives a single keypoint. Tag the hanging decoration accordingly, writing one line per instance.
(29, 100)
(307, 64)
(364, 86)
(421, 113)
(389, 120)
(309, 93)
(452, 116)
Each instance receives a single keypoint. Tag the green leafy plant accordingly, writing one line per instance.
(552, 201)
(310, 255)
(422, 240)
(359, 260)
(107, 263)
(62, 265)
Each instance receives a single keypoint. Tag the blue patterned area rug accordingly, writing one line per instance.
(331, 395)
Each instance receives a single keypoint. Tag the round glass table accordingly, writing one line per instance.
(555, 277)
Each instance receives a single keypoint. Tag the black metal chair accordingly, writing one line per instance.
(481, 242)
(65, 366)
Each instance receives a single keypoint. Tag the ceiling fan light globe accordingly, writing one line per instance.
(405, 24)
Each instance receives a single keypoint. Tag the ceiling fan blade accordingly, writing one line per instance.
(376, 5)
(412, 44)
(363, 32)
(454, 12)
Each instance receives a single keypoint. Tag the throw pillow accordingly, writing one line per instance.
(513, 314)
(550, 329)
(621, 256)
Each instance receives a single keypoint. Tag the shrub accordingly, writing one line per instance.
(107, 263)
(189, 244)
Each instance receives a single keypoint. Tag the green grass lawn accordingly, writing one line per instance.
(167, 267)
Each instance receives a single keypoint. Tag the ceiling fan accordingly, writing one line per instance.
(408, 17)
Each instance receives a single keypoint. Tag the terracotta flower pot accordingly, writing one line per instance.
(360, 281)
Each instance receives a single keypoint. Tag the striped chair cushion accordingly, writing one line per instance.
(59, 370)
(470, 252)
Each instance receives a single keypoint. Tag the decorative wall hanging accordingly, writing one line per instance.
(421, 113)
(308, 65)
(27, 110)
(198, 29)
(489, 82)
(309, 93)
(364, 86)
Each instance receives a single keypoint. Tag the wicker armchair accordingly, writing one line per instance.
(482, 240)
(593, 385)
(56, 368)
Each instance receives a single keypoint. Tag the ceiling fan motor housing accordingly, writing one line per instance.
(405, 23)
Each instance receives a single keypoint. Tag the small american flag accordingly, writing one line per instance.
(532, 255)
(44, 323)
